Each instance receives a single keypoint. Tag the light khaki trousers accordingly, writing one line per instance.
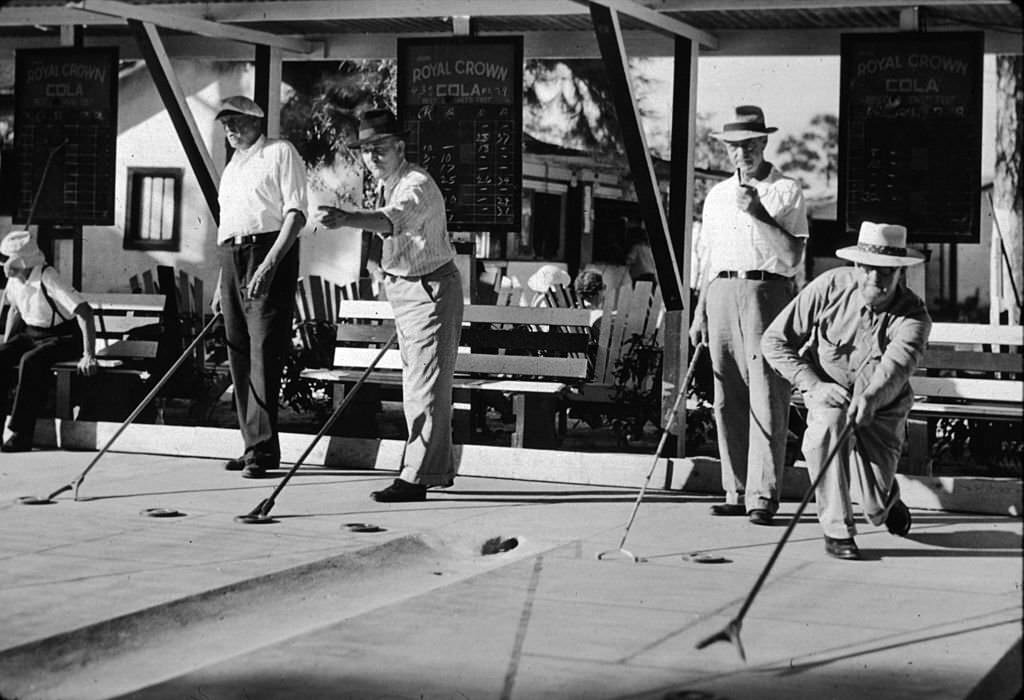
(751, 404)
(865, 469)
(428, 318)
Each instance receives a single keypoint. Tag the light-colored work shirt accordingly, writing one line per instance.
(259, 186)
(28, 298)
(731, 239)
(827, 333)
(419, 243)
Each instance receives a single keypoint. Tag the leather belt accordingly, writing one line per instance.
(248, 238)
(752, 275)
(445, 269)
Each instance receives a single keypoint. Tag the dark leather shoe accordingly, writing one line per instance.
(760, 516)
(255, 471)
(17, 443)
(898, 520)
(842, 549)
(400, 492)
(235, 465)
(728, 509)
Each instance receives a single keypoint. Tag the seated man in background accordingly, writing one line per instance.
(48, 322)
(850, 341)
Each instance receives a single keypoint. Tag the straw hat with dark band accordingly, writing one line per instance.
(881, 245)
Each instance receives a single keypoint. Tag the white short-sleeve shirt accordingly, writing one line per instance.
(259, 186)
(28, 298)
(734, 240)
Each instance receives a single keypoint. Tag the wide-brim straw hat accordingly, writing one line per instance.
(881, 245)
(377, 125)
(749, 124)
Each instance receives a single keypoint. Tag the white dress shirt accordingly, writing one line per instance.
(731, 239)
(259, 186)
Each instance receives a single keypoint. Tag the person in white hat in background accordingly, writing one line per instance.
(48, 322)
(424, 287)
(544, 279)
(262, 210)
(850, 342)
(754, 229)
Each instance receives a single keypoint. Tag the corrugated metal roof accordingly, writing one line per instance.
(993, 15)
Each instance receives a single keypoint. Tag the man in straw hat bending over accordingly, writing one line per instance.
(424, 288)
(48, 322)
(850, 341)
(752, 238)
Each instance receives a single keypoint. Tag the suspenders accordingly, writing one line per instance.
(53, 306)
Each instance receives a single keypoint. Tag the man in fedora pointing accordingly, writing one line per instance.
(850, 341)
(424, 287)
(752, 240)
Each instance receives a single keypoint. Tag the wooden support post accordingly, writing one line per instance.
(680, 217)
(159, 64)
(267, 89)
(609, 40)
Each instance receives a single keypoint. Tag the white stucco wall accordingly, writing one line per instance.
(147, 139)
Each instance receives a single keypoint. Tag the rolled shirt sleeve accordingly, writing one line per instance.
(784, 341)
(419, 243)
(293, 181)
(784, 200)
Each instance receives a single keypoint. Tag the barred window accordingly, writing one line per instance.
(153, 212)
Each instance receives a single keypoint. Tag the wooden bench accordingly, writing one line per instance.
(520, 352)
(116, 316)
(973, 371)
(186, 309)
(631, 313)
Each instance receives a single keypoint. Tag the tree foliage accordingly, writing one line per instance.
(814, 153)
(1008, 200)
(570, 106)
(321, 113)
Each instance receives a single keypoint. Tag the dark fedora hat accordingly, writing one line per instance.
(375, 125)
(749, 124)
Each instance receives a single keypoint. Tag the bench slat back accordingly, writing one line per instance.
(974, 362)
(488, 333)
(118, 314)
(635, 310)
(476, 313)
(970, 389)
(570, 368)
(976, 334)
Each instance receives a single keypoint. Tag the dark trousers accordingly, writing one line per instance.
(34, 351)
(258, 333)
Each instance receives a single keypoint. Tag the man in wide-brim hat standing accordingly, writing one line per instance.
(424, 287)
(752, 237)
(850, 342)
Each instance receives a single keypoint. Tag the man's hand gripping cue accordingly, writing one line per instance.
(860, 408)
